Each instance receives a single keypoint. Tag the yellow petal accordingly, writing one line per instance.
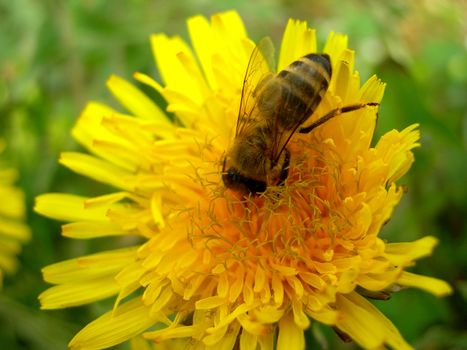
(365, 324)
(86, 230)
(112, 328)
(340, 80)
(409, 251)
(226, 342)
(291, 336)
(74, 294)
(172, 332)
(9, 246)
(395, 149)
(347, 281)
(237, 285)
(14, 229)
(201, 37)
(335, 46)
(235, 51)
(248, 341)
(171, 69)
(162, 300)
(90, 266)
(432, 285)
(229, 318)
(90, 132)
(268, 341)
(147, 80)
(260, 280)
(96, 169)
(156, 210)
(211, 40)
(89, 124)
(312, 279)
(297, 41)
(14, 206)
(377, 282)
(325, 315)
(268, 314)
(67, 207)
(300, 318)
(209, 302)
(372, 90)
(251, 326)
(229, 25)
(134, 100)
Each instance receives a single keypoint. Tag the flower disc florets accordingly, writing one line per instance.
(217, 268)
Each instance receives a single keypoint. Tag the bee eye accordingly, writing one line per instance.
(230, 177)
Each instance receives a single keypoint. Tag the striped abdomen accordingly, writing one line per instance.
(290, 97)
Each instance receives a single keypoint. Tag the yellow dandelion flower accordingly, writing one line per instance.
(215, 269)
(13, 231)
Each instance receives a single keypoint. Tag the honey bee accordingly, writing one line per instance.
(272, 108)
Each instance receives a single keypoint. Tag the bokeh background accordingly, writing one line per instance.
(56, 55)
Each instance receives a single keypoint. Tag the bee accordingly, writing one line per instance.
(272, 108)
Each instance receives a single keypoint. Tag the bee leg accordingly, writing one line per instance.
(285, 168)
(333, 113)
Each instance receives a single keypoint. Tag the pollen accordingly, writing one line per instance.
(214, 268)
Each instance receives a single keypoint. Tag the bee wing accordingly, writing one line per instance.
(319, 70)
(260, 68)
(282, 136)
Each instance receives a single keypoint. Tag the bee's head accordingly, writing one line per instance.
(234, 180)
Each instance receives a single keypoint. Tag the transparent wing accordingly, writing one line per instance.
(281, 135)
(298, 109)
(260, 68)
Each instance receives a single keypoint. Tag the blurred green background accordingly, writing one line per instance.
(56, 55)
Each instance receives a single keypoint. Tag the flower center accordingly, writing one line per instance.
(295, 222)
